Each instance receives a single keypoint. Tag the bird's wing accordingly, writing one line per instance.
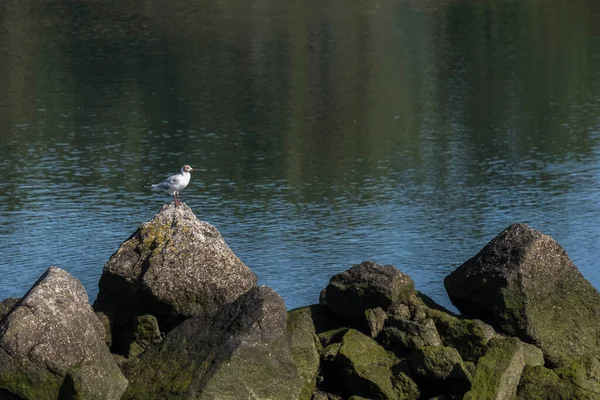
(169, 182)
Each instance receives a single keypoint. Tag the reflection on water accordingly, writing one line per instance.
(324, 134)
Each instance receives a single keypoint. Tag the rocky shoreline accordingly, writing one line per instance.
(179, 316)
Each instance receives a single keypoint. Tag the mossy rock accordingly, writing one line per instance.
(402, 336)
(364, 367)
(304, 348)
(532, 355)
(439, 370)
(583, 373)
(525, 285)
(469, 337)
(498, 371)
(51, 336)
(405, 387)
(145, 333)
(333, 336)
(375, 319)
(545, 384)
(245, 351)
(364, 286)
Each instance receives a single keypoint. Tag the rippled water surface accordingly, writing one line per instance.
(325, 133)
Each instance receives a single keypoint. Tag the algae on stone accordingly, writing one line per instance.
(304, 346)
(542, 383)
(469, 337)
(525, 285)
(439, 370)
(365, 368)
(498, 371)
(244, 351)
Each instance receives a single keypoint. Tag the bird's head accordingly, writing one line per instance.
(187, 168)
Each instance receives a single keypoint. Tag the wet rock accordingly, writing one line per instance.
(498, 371)
(469, 337)
(173, 267)
(375, 318)
(53, 346)
(244, 351)
(439, 370)
(525, 285)
(366, 286)
(402, 336)
(365, 369)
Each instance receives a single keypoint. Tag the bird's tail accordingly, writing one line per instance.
(149, 186)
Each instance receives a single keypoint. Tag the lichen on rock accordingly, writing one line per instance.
(52, 345)
(173, 267)
(525, 285)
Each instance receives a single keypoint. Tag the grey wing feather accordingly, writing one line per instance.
(167, 183)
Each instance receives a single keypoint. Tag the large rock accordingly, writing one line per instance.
(524, 284)
(244, 351)
(498, 371)
(366, 286)
(173, 267)
(304, 347)
(52, 345)
(579, 381)
(365, 369)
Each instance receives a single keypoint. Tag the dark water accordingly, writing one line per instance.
(325, 133)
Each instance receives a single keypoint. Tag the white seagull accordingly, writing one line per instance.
(175, 184)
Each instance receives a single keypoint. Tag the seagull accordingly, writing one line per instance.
(175, 184)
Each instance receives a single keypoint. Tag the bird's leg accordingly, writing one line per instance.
(175, 198)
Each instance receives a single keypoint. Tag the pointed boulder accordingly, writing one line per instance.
(524, 284)
(52, 345)
(173, 267)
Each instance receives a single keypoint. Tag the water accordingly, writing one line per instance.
(325, 133)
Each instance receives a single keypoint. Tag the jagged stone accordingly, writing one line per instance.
(532, 355)
(52, 345)
(498, 371)
(332, 336)
(569, 383)
(365, 286)
(469, 337)
(364, 368)
(439, 370)
(304, 347)
(525, 285)
(173, 267)
(145, 333)
(244, 351)
(401, 336)
(375, 318)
